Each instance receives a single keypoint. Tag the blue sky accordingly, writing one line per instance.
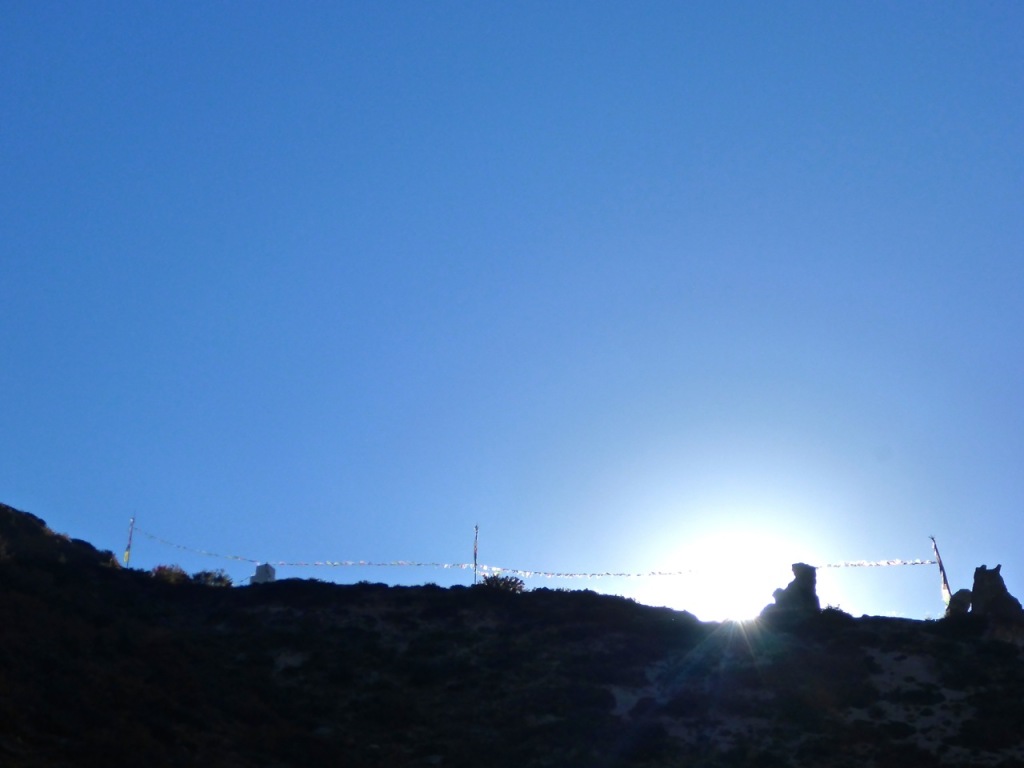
(631, 286)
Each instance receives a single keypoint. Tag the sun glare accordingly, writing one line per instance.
(729, 574)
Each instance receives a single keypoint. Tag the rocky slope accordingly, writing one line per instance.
(98, 663)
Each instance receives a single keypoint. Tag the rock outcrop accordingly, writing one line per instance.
(799, 600)
(990, 597)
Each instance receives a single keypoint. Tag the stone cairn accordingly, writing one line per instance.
(799, 600)
(989, 598)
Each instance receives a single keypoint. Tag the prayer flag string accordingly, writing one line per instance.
(524, 573)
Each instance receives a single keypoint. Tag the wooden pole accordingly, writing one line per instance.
(128, 549)
(946, 594)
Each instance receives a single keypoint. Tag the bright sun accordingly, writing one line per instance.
(730, 575)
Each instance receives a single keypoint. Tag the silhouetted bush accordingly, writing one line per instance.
(170, 574)
(212, 578)
(503, 583)
(834, 618)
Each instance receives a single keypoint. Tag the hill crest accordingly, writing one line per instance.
(101, 662)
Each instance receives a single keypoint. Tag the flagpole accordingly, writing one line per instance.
(128, 549)
(946, 593)
(476, 546)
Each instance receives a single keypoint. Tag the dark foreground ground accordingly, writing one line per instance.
(101, 664)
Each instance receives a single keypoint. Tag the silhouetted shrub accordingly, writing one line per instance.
(109, 559)
(503, 583)
(833, 618)
(171, 574)
(212, 578)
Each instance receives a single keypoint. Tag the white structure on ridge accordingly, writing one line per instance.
(265, 573)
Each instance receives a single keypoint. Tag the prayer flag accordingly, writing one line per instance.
(942, 572)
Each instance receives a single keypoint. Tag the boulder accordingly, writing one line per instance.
(959, 604)
(799, 599)
(991, 598)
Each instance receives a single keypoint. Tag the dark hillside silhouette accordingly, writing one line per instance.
(99, 664)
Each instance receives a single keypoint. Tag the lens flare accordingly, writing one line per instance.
(731, 574)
